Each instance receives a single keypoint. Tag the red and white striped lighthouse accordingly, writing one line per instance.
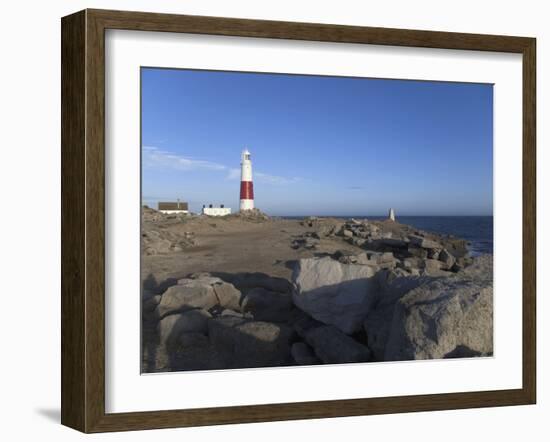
(247, 189)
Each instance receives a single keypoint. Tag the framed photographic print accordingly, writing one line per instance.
(270, 220)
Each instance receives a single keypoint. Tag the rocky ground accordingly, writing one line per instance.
(247, 290)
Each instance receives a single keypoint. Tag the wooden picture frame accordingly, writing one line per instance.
(83, 220)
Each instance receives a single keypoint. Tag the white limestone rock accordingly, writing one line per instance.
(334, 293)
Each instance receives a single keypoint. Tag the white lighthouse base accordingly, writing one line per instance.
(247, 205)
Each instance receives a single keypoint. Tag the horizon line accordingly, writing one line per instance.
(385, 215)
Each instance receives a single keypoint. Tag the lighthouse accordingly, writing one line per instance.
(247, 190)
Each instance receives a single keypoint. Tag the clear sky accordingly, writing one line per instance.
(319, 145)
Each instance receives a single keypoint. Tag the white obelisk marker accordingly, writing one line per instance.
(247, 189)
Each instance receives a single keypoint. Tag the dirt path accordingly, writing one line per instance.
(235, 247)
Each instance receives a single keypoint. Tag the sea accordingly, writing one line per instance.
(477, 230)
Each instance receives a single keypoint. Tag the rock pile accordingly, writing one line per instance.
(156, 241)
(309, 240)
(376, 260)
(403, 316)
(399, 294)
(204, 322)
(434, 317)
(252, 215)
(322, 226)
(412, 250)
(332, 346)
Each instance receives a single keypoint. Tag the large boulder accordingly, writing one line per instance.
(149, 306)
(245, 343)
(191, 340)
(187, 295)
(479, 268)
(203, 293)
(334, 293)
(447, 259)
(425, 266)
(304, 324)
(303, 354)
(227, 295)
(425, 243)
(334, 347)
(432, 266)
(265, 305)
(192, 351)
(393, 286)
(172, 326)
(418, 252)
(443, 318)
(347, 233)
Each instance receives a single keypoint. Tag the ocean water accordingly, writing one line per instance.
(478, 230)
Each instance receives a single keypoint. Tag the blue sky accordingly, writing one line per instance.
(320, 145)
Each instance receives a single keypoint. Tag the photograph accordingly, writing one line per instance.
(299, 220)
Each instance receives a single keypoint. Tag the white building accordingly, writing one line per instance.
(216, 211)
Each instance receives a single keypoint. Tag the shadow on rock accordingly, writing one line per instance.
(246, 281)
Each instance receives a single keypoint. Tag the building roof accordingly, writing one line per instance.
(173, 206)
